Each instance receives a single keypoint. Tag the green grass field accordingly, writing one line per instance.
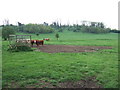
(28, 68)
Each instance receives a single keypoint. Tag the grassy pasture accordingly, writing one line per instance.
(28, 68)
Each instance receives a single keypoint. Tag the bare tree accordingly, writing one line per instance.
(6, 22)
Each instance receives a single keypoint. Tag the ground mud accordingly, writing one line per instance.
(70, 48)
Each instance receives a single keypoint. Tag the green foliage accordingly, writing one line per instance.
(57, 35)
(6, 31)
(16, 48)
(92, 27)
(115, 31)
(60, 30)
(37, 34)
(95, 30)
(37, 28)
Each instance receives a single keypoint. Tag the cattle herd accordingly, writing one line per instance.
(28, 41)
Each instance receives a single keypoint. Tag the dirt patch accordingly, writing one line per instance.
(41, 84)
(69, 48)
(88, 83)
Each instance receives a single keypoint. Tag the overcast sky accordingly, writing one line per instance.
(64, 11)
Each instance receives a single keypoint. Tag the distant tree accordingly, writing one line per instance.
(37, 28)
(115, 31)
(20, 25)
(2, 25)
(60, 25)
(37, 34)
(60, 30)
(84, 23)
(57, 36)
(93, 24)
(45, 23)
(100, 24)
(54, 23)
(6, 31)
(6, 22)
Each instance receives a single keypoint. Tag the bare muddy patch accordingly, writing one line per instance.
(70, 48)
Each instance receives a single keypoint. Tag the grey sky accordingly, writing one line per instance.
(64, 11)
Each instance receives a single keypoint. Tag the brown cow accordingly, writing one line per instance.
(47, 39)
(38, 42)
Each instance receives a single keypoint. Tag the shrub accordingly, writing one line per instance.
(115, 31)
(57, 36)
(95, 30)
(37, 34)
(6, 31)
(16, 48)
(37, 28)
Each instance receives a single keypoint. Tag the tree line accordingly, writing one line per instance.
(35, 28)
(86, 27)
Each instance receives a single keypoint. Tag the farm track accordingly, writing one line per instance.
(69, 48)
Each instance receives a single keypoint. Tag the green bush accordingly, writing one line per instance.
(57, 35)
(15, 48)
(37, 28)
(95, 30)
(6, 31)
